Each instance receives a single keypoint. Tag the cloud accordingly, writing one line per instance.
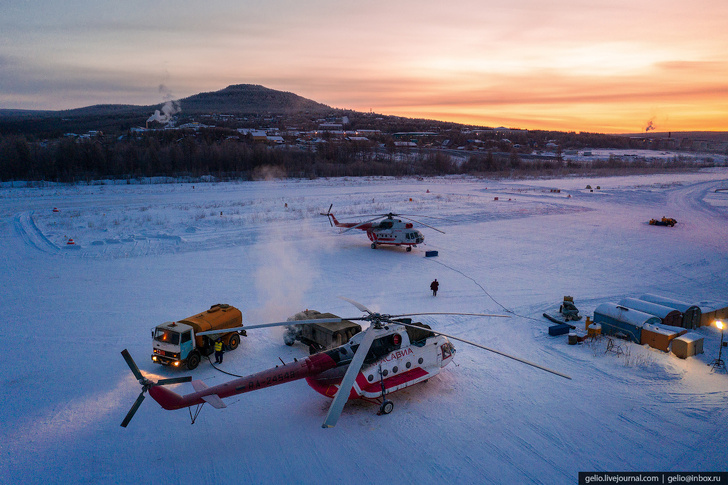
(28, 85)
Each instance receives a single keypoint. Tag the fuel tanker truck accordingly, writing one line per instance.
(177, 343)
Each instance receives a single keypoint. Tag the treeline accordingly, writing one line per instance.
(225, 155)
(208, 152)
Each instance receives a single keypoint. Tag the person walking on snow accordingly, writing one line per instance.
(434, 287)
(218, 351)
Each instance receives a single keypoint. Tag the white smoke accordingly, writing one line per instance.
(282, 280)
(171, 107)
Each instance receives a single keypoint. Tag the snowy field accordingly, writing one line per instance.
(145, 254)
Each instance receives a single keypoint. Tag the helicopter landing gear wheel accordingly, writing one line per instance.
(374, 245)
(409, 248)
(386, 407)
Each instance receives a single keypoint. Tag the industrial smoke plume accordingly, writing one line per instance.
(171, 107)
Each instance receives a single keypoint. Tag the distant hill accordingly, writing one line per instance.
(250, 98)
(114, 118)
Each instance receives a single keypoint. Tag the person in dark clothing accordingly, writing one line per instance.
(219, 350)
(434, 286)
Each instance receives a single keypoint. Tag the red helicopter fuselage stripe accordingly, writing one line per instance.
(329, 390)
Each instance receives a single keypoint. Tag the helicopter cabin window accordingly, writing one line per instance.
(187, 336)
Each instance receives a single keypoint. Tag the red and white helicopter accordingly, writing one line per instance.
(388, 230)
(390, 355)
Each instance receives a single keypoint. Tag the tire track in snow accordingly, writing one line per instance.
(26, 228)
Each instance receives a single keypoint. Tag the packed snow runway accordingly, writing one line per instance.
(146, 254)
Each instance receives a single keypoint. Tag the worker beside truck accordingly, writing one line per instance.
(178, 343)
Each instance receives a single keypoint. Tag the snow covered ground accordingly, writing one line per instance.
(145, 254)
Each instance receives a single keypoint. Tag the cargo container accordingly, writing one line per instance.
(687, 345)
(559, 329)
(658, 337)
(712, 311)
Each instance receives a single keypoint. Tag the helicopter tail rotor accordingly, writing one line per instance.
(328, 214)
(146, 385)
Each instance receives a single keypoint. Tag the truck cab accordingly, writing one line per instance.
(173, 342)
(177, 343)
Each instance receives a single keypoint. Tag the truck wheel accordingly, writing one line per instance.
(233, 342)
(193, 360)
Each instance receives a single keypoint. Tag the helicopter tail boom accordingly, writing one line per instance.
(281, 374)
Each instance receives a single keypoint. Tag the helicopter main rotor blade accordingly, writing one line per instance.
(426, 225)
(342, 395)
(132, 365)
(276, 324)
(450, 313)
(523, 361)
(133, 410)
(356, 304)
(422, 215)
(360, 224)
(173, 380)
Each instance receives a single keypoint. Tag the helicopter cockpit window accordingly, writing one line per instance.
(166, 336)
(446, 351)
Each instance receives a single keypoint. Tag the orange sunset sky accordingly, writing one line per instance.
(610, 66)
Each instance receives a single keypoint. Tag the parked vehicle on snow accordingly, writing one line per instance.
(665, 221)
(177, 343)
(319, 336)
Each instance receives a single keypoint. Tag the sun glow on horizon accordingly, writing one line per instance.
(593, 67)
